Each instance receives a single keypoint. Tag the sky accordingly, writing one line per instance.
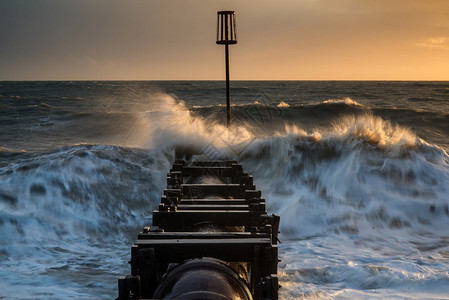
(175, 40)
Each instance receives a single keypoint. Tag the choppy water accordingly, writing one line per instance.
(358, 171)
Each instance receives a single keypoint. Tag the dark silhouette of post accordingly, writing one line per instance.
(227, 35)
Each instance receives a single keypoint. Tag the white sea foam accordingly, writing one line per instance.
(363, 205)
(171, 123)
(364, 209)
(360, 202)
(74, 212)
(347, 101)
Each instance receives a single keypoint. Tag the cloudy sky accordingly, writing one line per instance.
(175, 40)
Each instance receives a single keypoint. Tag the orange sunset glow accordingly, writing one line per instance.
(175, 40)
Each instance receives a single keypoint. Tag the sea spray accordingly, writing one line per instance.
(354, 199)
(369, 171)
(361, 162)
(172, 124)
(74, 211)
(361, 184)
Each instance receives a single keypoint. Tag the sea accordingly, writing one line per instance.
(357, 170)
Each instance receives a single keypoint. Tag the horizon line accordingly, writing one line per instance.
(236, 80)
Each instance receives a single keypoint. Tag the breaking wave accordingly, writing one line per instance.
(360, 182)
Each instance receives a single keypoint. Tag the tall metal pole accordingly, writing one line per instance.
(227, 35)
(228, 97)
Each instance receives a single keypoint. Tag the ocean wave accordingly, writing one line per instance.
(362, 184)
(363, 170)
(266, 119)
(424, 99)
(347, 101)
(283, 104)
(354, 280)
(364, 173)
(299, 170)
(46, 105)
(442, 90)
(357, 184)
(71, 211)
(4, 150)
(81, 190)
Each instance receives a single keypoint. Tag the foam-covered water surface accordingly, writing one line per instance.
(358, 172)
(364, 210)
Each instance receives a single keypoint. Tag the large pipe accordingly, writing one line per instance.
(211, 239)
(205, 278)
